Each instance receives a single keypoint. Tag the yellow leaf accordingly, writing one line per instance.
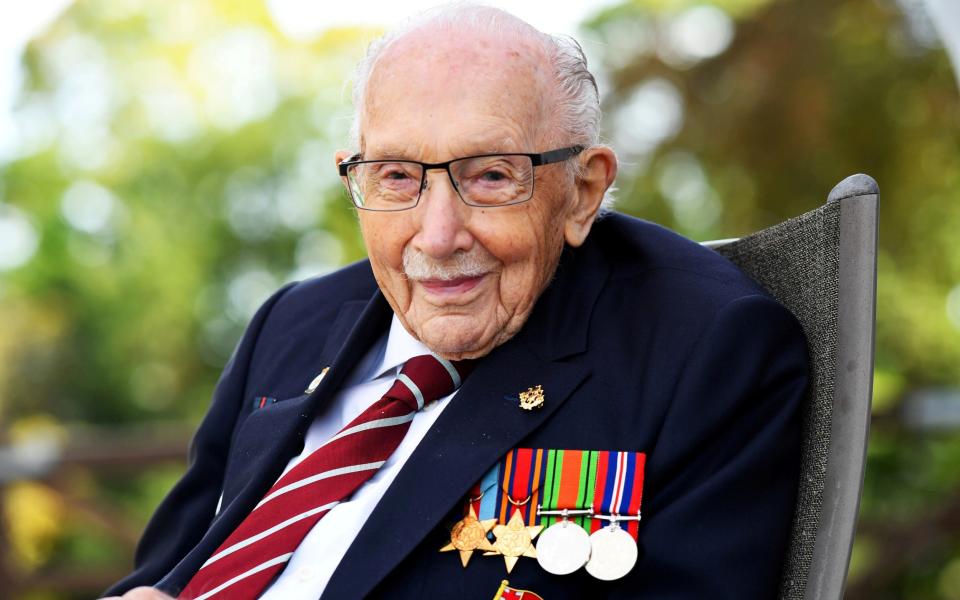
(34, 516)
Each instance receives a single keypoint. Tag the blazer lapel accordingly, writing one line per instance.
(272, 435)
(358, 325)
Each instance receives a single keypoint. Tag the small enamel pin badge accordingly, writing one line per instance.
(509, 593)
(316, 381)
(261, 401)
(532, 398)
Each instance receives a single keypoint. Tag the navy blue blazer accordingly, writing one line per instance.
(644, 341)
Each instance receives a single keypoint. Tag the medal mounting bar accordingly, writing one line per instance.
(614, 518)
(565, 512)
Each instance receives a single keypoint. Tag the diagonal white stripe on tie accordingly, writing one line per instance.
(325, 475)
(262, 566)
(413, 388)
(375, 424)
(454, 375)
(256, 538)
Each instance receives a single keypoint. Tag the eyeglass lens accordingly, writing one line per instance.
(482, 181)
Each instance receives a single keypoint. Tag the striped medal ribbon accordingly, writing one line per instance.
(484, 496)
(566, 507)
(519, 481)
(617, 499)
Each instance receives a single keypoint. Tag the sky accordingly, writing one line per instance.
(302, 17)
(945, 15)
(19, 22)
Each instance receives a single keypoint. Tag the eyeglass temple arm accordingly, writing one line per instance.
(555, 155)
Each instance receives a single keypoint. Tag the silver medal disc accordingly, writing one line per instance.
(563, 548)
(613, 553)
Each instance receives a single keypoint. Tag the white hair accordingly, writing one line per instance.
(576, 114)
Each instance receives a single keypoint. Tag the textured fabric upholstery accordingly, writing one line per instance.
(797, 261)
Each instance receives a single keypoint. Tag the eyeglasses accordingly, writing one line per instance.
(485, 180)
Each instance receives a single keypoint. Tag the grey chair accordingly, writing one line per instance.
(822, 266)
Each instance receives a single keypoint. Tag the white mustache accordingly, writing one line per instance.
(417, 265)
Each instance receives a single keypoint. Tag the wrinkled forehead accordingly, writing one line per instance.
(429, 82)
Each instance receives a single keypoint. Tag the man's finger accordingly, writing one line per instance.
(141, 593)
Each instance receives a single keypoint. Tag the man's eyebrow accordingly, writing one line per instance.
(491, 145)
(390, 154)
(501, 146)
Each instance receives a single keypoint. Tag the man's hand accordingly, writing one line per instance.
(141, 593)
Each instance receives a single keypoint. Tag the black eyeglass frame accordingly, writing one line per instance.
(536, 159)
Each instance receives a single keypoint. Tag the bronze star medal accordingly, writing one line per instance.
(515, 540)
(470, 534)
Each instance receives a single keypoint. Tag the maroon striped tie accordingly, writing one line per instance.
(261, 545)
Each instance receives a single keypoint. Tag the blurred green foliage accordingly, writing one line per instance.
(175, 165)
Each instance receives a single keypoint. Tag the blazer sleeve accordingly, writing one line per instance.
(184, 515)
(722, 479)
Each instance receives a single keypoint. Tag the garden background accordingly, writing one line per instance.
(166, 164)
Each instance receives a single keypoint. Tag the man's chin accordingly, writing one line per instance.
(457, 337)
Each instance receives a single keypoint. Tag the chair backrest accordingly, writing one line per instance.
(822, 266)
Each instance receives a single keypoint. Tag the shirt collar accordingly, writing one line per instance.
(401, 347)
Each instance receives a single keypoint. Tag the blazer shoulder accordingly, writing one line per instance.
(318, 299)
(295, 337)
(658, 263)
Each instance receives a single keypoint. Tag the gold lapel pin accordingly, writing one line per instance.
(316, 381)
(532, 398)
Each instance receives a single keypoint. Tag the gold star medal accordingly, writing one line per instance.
(470, 534)
(515, 540)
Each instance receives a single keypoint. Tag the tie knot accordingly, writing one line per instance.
(428, 378)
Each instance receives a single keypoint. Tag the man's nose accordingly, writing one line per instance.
(442, 218)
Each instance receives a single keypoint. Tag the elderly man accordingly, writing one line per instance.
(603, 361)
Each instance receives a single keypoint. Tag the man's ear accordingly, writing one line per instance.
(598, 168)
(339, 157)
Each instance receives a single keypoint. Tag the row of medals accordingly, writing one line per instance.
(608, 553)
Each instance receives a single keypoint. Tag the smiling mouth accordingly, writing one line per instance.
(450, 287)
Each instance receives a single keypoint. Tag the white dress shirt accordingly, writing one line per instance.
(313, 562)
